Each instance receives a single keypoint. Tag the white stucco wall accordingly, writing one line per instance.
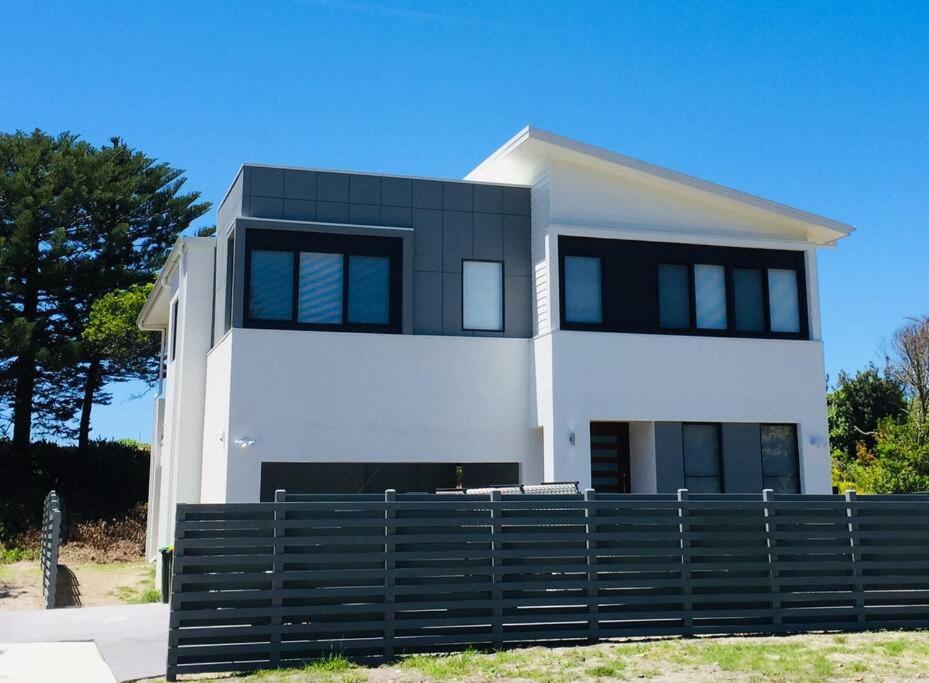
(216, 422)
(638, 377)
(323, 396)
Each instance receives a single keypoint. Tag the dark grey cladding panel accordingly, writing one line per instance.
(364, 189)
(669, 456)
(516, 201)
(451, 221)
(266, 182)
(332, 187)
(741, 457)
(300, 184)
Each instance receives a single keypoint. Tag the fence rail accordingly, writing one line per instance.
(51, 540)
(274, 584)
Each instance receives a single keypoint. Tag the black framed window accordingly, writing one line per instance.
(583, 289)
(323, 281)
(703, 468)
(673, 296)
(230, 281)
(171, 355)
(482, 295)
(615, 285)
(780, 458)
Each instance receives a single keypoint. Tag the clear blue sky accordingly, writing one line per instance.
(820, 105)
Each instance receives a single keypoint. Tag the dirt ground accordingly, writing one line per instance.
(80, 584)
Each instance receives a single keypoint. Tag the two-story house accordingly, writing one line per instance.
(562, 313)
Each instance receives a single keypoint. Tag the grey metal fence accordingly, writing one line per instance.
(274, 584)
(51, 540)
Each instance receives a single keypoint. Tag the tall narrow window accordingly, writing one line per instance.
(673, 296)
(369, 289)
(748, 296)
(230, 281)
(482, 295)
(782, 298)
(780, 461)
(710, 296)
(582, 289)
(271, 288)
(173, 329)
(319, 292)
(702, 458)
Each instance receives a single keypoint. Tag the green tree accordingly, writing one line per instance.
(116, 348)
(856, 407)
(899, 464)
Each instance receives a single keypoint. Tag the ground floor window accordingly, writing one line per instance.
(780, 458)
(367, 477)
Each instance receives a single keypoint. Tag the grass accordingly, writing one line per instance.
(877, 656)
(143, 592)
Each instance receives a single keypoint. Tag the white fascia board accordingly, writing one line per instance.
(164, 277)
(647, 172)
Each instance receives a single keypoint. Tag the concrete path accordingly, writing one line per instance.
(53, 663)
(133, 639)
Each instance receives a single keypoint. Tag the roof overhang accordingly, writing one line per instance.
(155, 311)
(528, 153)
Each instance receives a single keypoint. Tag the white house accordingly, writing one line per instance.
(563, 313)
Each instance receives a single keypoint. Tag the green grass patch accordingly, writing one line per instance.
(142, 593)
(11, 555)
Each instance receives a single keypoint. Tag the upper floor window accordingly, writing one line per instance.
(482, 296)
(582, 289)
(648, 287)
(323, 281)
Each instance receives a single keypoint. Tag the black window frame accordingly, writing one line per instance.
(502, 295)
(229, 302)
(628, 306)
(347, 245)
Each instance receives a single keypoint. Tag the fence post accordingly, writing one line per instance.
(390, 563)
(496, 544)
(687, 605)
(767, 497)
(593, 604)
(851, 511)
(277, 578)
(55, 539)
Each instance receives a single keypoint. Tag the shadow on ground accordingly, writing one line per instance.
(68, 589)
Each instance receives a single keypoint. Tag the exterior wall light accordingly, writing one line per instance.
(572, 438)
(244, 442)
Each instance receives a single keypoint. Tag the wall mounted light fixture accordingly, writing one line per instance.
(572, 438)
(244, 442)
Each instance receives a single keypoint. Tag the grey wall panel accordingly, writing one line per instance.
(516, 245)
(741, 457)
(364, 214)
(451, 304)
(299, 210)
(450, 220)
(488, 236)
(331, 212)
(265, 207)
(231, 206)
(457, 240)
(267, 182)
(427, 302)
(488, 198)
(456, 197)
(364, 189)
(517, 306)
(427, 194)
(516, 201)
(397, 192)
(427, 239)
(332, 187)
(669, 456)
(299, 184)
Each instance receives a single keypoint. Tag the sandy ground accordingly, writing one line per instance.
(79, 584)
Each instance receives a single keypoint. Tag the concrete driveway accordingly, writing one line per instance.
(133, 639)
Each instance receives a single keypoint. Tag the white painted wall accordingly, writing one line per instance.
(324, 396)
(216, 422)
(643, 472)
(639, 377)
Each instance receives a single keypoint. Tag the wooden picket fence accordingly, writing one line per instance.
(51, 541)
(371, 577)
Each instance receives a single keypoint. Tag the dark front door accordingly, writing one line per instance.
(609, 457)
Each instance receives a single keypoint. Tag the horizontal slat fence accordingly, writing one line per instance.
(371, 576)
(51, 541)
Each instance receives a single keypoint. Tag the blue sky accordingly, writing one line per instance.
(820, 105)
